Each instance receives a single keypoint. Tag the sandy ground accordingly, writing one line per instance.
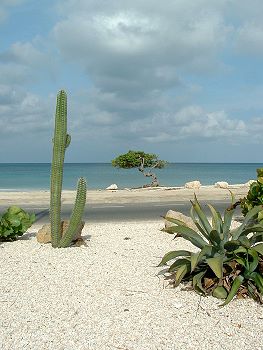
(106, 296)
(161, 194)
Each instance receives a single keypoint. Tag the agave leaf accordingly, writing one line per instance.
(242, 262)
(181, 272)
(172, 255)
(201, 215)
(254, 263)
(228, 215)
(196, 222)
(250, 229)
(163, 271)
(232, 197)
(194, 260)
(216, 264)
(258, 279)
(190, 235)
(178, 263)
(232, 245)
(235, 286)
(197, 257)
(220, 292)
(168, 230)
(248, 217)
(214, 237)
(175, 221)
(259, 248)
(240, 250)
(216, 219)
(244, 241)
(197, 282)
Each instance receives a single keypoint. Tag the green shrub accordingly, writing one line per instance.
(14, 222)
(254, 196)
(228, 262)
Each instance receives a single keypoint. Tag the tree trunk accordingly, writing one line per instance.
(155, 182)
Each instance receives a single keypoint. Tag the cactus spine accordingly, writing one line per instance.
(61, 141)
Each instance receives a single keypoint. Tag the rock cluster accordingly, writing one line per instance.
(193, 185)
(44, 234)
(221, 184)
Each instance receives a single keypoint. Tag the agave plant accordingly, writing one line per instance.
(228, 262)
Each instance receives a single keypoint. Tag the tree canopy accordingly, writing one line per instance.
(134, 159)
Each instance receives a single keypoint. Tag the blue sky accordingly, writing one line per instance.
(182, 79)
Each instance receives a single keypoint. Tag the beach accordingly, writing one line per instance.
(158, 194)
(106, 294)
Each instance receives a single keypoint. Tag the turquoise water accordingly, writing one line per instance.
(100, 175)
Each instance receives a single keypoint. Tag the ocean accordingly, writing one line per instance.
(34, 176)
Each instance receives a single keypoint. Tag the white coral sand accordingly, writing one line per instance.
(107, 296)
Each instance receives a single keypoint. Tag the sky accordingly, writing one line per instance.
(179, 78)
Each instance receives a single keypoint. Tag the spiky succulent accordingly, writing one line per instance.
(228, 262)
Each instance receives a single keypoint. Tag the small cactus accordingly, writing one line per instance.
(61, 141)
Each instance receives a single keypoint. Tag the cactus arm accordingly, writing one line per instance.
(76, 215)
(60, 141)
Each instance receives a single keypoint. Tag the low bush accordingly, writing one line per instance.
(229, 261)
(14, 222)
(254, 196)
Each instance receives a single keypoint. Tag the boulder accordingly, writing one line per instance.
(112, 187)
(221, 184)
(179, 216)
(193, 185)
(44, 234)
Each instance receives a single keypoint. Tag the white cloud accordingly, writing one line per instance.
(191, 122)
(22, 112)
(250, 39)
(23, 62)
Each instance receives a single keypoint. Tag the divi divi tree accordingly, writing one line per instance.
(140, 160)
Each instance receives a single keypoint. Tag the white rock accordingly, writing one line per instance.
(112, 187)
(193, 184)
(221, 184)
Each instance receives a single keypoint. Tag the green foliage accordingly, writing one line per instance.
(228, 262)
(132, 159)
(14, 222)
(61, 141)
(254, 196)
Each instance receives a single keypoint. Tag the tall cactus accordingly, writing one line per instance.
(61, 141)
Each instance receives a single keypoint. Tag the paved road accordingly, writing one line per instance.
(122, 212)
